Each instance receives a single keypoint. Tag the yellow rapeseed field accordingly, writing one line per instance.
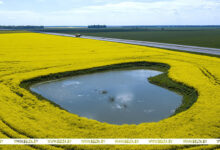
(27, 55)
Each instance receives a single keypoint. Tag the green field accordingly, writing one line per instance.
(196, 36)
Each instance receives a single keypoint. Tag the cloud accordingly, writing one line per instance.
(19, 17)
(153, 7)
(124, 12)
(70, 83)
(143, 74)
(156, 6)
(124, 98)
(150, 12)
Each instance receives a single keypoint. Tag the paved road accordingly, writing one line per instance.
(213, 51)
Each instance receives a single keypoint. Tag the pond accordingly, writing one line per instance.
(116, 97)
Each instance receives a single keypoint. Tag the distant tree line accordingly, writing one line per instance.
(22, 27)
(97, 26)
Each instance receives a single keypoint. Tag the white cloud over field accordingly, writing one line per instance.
(120, 12)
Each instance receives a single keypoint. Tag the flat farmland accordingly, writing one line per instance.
(204, 37)
(34, 56)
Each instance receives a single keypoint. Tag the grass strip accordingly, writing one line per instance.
(189, 94)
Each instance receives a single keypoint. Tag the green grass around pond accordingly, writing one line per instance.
(189, 94)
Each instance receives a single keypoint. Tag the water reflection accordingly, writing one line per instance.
(117, 97)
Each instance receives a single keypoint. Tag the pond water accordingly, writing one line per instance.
(116, 97)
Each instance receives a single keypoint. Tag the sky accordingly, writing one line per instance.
(109, 12)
